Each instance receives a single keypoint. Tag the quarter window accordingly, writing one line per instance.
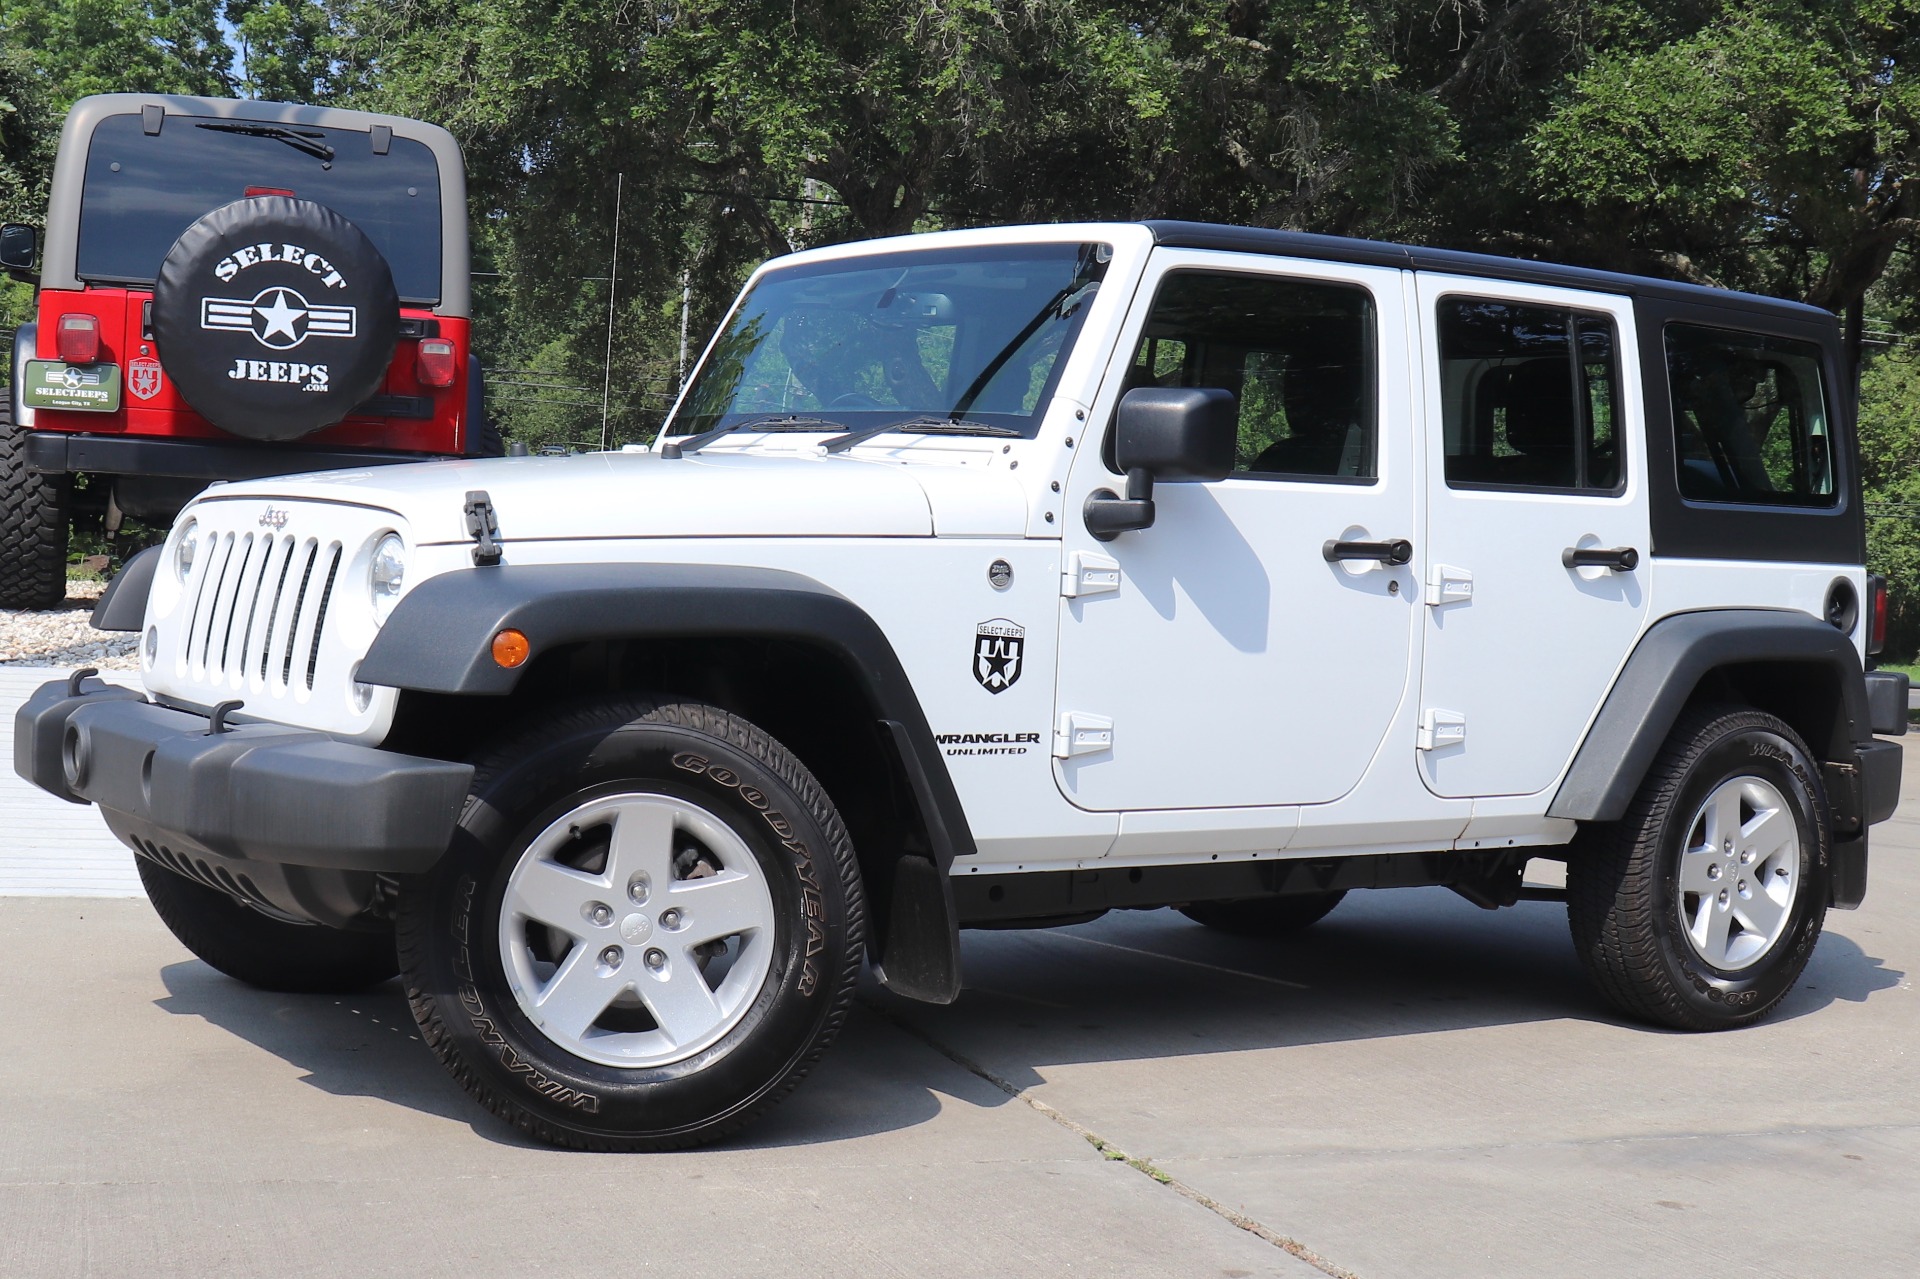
(1529, 395)
(1750, 420)
(1298, 356)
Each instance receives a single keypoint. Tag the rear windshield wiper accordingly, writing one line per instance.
(776, 422)
(304, 142)
(917, 426)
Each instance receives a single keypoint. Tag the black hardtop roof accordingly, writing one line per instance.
(1300, 244)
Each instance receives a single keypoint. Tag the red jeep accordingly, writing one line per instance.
(229, 290)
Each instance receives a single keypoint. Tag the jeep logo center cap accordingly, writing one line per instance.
(275, 317)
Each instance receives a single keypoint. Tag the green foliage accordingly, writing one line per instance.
(1890, 468)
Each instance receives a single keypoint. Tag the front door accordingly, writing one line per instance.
(1537, 479)
(1220, 658)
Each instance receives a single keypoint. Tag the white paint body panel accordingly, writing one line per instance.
(1216, 657)
(1529, 656)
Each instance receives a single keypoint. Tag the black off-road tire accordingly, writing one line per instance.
(1264, 916)
(1623, 878)
(685, 752)
(261, 951)
(34, 510)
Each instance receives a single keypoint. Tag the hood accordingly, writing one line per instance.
(737, 494)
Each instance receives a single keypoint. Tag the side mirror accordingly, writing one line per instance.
(19, 246)
(1173, 435)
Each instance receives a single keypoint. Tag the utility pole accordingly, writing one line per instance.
(613, 280)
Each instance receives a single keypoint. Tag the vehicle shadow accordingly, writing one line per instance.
(1144, 984)
(367, 1045)
(1135, 985)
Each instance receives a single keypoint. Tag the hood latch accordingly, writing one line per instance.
(482, 526)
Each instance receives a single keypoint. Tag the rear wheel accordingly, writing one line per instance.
(261, 951)
(646, 931)
(1701, 906)
(34, 509)
(1264, 916)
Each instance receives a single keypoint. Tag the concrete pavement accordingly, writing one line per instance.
(1415, 1088)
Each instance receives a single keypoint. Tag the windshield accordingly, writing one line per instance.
(955, 339)
(142, 190)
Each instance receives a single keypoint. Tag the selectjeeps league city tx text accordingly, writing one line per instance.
(1007, 577)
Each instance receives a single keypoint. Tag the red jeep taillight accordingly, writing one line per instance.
(1876, 613)
(435, 365)
(78, 337)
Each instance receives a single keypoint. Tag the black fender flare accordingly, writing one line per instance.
(1667, 667)
(439, 639)
(123, 605)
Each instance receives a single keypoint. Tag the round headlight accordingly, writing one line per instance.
(183, 549)
(386, 573)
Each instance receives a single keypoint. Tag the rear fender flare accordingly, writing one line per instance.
(1667, 667)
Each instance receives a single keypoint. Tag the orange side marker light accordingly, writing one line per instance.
(511, 648)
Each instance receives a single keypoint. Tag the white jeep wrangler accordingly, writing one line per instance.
(1009, 577)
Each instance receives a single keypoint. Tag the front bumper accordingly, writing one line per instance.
(283, 817)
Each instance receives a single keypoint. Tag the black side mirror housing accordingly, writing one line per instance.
(1169, 435)
(19, 246)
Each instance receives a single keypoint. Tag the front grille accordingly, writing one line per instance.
(259, 610)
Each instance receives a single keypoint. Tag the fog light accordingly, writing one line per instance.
(511, 648)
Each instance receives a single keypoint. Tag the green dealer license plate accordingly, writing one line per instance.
(55, 384)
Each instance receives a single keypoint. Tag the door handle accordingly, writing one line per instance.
(1621, 559)
(1395, 552)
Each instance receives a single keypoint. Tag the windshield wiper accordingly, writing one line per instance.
(303, 142)
(776, 422)
(917, 426)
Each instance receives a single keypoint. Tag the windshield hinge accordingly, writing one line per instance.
(482, 526)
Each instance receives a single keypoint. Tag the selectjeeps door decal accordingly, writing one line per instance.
(998, 647)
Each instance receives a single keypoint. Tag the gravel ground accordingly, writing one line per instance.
(62, 636)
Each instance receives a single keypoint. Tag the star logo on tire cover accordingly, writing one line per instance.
(278, 317)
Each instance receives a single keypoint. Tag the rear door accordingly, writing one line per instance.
(1537, 458)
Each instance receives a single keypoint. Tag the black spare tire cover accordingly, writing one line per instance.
(274, 317)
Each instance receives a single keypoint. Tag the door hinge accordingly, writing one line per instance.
(1441, 728)
(1449, 585)
(1079, 733)
(1089, 573)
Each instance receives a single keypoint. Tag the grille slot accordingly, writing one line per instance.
(299, 603)
(273, 611)
(320, 614)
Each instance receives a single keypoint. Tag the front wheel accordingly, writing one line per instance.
(646, 931)
(1699, 908)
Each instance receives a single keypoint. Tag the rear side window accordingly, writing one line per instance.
(1298, 356)
(1750, 420)
(1529, 397)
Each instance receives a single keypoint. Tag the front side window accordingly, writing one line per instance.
(949, 339)
(1298, 356)
(1750, 419)
(1529, 396)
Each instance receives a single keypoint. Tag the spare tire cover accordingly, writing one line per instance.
(274, 317)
